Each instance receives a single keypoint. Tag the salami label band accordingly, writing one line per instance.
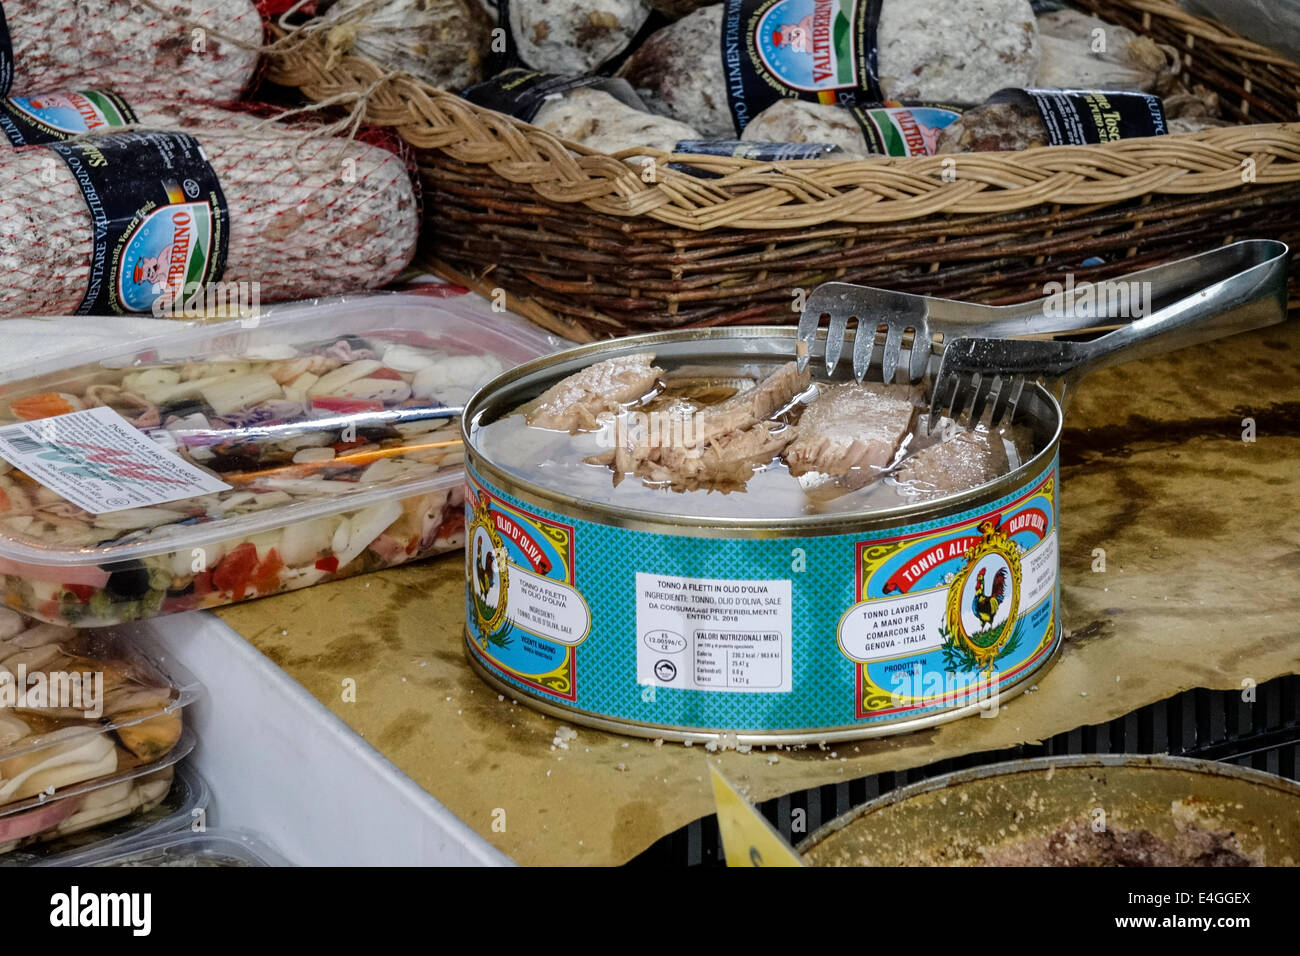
(1084, 117)
(903, 129)
(52, 118)
(160, 221)
(823, 51)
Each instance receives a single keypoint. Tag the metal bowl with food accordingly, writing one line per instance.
(1088, 810)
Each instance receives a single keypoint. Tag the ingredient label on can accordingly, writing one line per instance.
(52, 118)
(823, 51)
(160, 221)
(710, 634)
(98, 460)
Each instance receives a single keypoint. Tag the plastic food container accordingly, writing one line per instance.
(210, 848)
(79, 710)
(221, 463)
(89, 803)
(189, 798)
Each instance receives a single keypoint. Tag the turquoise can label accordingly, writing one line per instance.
(782, 634)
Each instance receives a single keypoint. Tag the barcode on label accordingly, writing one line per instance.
(21, 442)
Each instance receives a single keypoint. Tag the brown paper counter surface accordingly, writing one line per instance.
(1201, 535)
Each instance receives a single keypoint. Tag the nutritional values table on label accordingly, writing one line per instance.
(738, 659)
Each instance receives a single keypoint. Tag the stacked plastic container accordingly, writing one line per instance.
(206, 466)
(91, 731)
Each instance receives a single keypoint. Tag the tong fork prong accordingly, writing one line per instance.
(809, 321)
(872, 310)
(919, 358)
(1007, 400)
(863, 347)
(958, 389)
(981, 398)
(836, 332)
(893, 350)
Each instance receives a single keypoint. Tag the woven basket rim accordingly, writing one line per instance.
(757, 195)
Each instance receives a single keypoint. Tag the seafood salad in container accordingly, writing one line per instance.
(90, 727)
(223, 463)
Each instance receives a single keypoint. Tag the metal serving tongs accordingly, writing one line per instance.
(989, 353)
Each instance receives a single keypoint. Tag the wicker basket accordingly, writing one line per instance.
(583, 246)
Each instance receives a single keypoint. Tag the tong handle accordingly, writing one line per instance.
(1253, 297)
(1239, 303)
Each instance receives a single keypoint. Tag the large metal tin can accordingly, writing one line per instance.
(821, 628)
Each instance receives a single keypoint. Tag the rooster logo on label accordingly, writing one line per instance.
(488, 574)
(807, 44)
(983, 598)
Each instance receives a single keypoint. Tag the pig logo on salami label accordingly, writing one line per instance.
(808, 44)
(70, 113)
(168, 253)
(909, 131)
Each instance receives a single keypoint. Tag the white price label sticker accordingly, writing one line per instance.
(101, 463)
(713, 634)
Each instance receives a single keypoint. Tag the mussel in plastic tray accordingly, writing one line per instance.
(184, 802)
(89, 729)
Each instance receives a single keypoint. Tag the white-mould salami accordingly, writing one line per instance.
(306, 217)
(596, 111)
(678, 71)
(573, 36)
(722, 65)
(205, 49)
(955, 51)
(443, 42)
(1085, 52)
(798, 121)
(595, 119)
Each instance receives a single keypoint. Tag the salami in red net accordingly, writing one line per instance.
(146, 221)
(55, 117)
(200, 49)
